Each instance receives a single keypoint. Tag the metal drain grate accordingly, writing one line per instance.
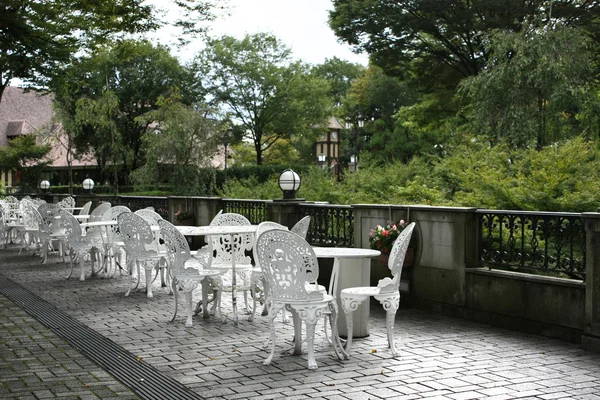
(143, 379)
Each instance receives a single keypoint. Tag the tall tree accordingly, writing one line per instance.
(535, 84)
(340, 74)
(182, 141)
(121, 83)
(268, 94)
(38, 37)
(26, 157)
(444, 40)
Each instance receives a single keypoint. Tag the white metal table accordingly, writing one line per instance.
(231, 230)
(105, 237)
(351, 268)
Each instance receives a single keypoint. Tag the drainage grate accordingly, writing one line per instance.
(143, 379)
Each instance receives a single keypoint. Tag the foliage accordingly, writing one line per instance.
(340, 74)
(182, 137)
(105, 93)
(40, 37)
(26, 157)
(382, 238)
(563, 177)
(183, 215)
(535, 83)
(271, 97)
(428, 38)
(2, 188)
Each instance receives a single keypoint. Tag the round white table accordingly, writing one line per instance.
(351, 268)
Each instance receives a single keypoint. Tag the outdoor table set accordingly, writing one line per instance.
(283, 272)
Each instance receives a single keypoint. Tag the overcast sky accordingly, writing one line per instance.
(300, 24)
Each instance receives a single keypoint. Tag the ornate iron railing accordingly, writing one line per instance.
(539, 242)
(254, 210)
(330, 225)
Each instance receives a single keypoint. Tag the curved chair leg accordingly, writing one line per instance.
(71, 256)
(310, 342)
(297, 333)
(265, 310)
(273, 311)
(349, 305)
(390, 305)
(175, 296)
(130, 264)
(205, 289)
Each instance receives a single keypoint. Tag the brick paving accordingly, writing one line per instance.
(441, 357)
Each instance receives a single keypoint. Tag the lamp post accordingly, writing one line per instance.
(88, 184)
(226, 138)
(358, 125)
(44, 185)
(289, 183)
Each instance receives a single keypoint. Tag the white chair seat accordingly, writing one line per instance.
(362, 291)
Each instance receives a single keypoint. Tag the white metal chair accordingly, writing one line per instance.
(138, 239)
(51, 217)
(67, 204)
(289, 265)
(113, 242)
(301, 227)
(152, 218)
(186, 272)
(85, 210)
(222, 250)
(78, 246)
(386, 292)
(35, 230)
(257, 276)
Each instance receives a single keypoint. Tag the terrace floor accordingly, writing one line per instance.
(441, 357)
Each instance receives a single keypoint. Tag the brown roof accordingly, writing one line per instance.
(29, 111)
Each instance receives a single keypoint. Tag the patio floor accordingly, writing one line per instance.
(441, 357)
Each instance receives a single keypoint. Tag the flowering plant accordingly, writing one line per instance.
(183, 215)
(382, 238)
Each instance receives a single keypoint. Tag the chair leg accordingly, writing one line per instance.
(148, 273)
(175, 296)
(297, 333)
(273, 311)
(82, 266)
(349, 305)
(390, 305)
(190, 311)
(205, 288)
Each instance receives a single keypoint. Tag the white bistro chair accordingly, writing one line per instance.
(289, 265)
(387, 291)
(186, 271)
(139, 247)
(78, 246)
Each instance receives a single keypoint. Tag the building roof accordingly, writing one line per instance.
(28, 111)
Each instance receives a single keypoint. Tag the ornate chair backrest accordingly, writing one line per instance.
(28, 203)
(263, 227)
(136, 234)
(71, 227)
(97, 213)
(3, 226)
(301, 227)
(50, 216)
(396, 259)
(38, 201)
(288, 263)
(11, 208)
(85, 210)
(220, 245)
(68, 203)
(151, 216)
(178, 250)
(112, 214)
(32, 220)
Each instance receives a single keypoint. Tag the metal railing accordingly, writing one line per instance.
(134, 203)
(537, 242)
(330, 225)
(254, 210)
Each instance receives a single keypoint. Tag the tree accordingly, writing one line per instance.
(535, 84)
(441, 42)
(26, 157)
(340, 74)
(107, 91)
(257, 83)
(183, 138)
(37, 38)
